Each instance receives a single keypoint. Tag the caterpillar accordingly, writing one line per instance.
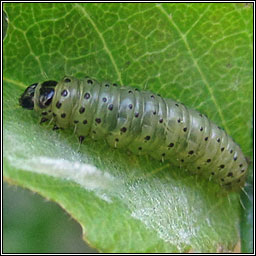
(143, 123)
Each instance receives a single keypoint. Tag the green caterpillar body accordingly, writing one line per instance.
(143, 123)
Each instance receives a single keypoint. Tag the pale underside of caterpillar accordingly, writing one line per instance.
(143, 123)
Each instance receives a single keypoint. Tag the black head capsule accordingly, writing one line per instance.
(26, 100)
(49, 83)
(46, 93)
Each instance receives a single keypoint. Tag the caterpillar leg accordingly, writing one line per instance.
(241, 202)
(244, 191)
(75, 129)
(43, 120)
(80, 139)
(50, 122)
(229, 201)
(55, 127)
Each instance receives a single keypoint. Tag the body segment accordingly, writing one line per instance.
(143, 123)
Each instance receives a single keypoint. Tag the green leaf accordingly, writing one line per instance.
(199, 54)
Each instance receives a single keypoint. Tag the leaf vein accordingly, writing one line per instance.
(198, 68)
(103, 41)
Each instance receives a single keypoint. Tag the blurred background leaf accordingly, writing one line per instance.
(199, 54)
(33, 224)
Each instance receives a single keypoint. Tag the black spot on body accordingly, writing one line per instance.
(176, 104)
(63, 115)
(230, 174)
(139, 148)
(222, 149)
(208, 160)
(107, 85)
(198, 167)
(87, 96)
(58, 104)
(206, 138)
(64, 93)
(182, 160)
(85, 122)
(191, 152)
(241, 165)
(116, 139)
(201, 129)
(161, 120)
(124, 129)
(222, 166)
(129, 91)
(171, 145)
(76, 121)
(130, 106)
(185, 129)
(154, 113)
(67, 80)
(218, 140)
(44, 113)
(212, 173)
(152, 96)
(147, 137)
(89, 81)
(235, 158)
(110, 107)
(114, 84)
(163, 154)
(231, 151)
(178, 120)
(98, 120)
(136, 114)
(81, 110)
(104, 99)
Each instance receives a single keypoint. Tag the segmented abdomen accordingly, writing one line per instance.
(146, 123)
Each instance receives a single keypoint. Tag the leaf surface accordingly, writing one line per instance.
(199, 54)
